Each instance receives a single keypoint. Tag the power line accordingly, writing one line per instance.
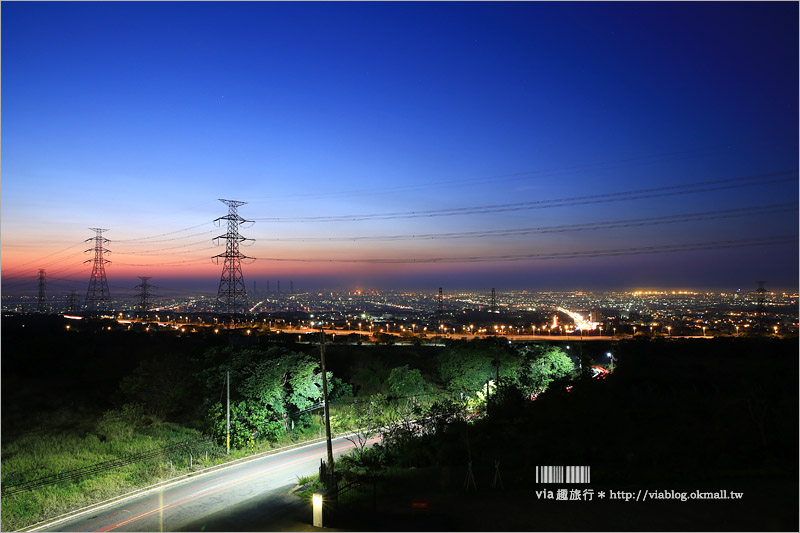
(48, 255)
(158, 251)
(170, 263)
(51, 263)
(56, 261)
(137, 239)
(537, 174)
(684, 247)
(167, 240)
(638, 194)
(589, 226)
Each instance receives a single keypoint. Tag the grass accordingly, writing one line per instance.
(310, 488)
(307, 479)
(50, 450)
(43, 454)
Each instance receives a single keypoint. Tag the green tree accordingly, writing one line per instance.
(542, 366)
(267, 387)
(363, 420)
(162, 385)
(404, 382)
(246, 421)
(466, 366)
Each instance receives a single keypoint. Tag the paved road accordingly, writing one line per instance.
(246, 497)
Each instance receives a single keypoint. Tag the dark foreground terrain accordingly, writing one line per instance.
(675, 417)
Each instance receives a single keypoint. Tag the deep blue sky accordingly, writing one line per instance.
(137, 117)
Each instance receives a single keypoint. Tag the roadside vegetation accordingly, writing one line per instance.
(674, 413)
(159, 412)
(53, 460)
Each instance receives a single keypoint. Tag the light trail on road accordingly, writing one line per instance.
(183, 502)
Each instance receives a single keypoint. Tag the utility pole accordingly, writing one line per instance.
(41, 291)
(494, 302)
(325, 399)
(496, 363)
(228, 415)
(97, 295)
(440, 312)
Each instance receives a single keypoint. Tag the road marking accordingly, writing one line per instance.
(147, 490)
(304, 456)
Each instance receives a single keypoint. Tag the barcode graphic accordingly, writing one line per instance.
(563, 474)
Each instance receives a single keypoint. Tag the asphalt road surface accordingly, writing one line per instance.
(251, 496)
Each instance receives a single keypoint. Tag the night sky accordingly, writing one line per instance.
(516, 144)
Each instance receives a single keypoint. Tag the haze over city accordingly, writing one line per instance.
(534, 146)
(399, 266)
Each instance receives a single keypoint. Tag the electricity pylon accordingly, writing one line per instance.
(144, 294)
(42, 281)
(760, 293)
(97, 295)
(72, 304)
(232, 294)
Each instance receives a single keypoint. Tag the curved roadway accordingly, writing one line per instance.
(248, 496)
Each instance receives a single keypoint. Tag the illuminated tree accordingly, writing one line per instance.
(268, 389)
(542, 366)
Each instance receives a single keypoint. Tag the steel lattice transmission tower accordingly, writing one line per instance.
(144, 294)
(72, 302)
(42, 282)
(760, 293)
(232, 294)
(97, 295)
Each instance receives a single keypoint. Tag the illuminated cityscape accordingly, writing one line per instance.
(654, 313)
(400, 266)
